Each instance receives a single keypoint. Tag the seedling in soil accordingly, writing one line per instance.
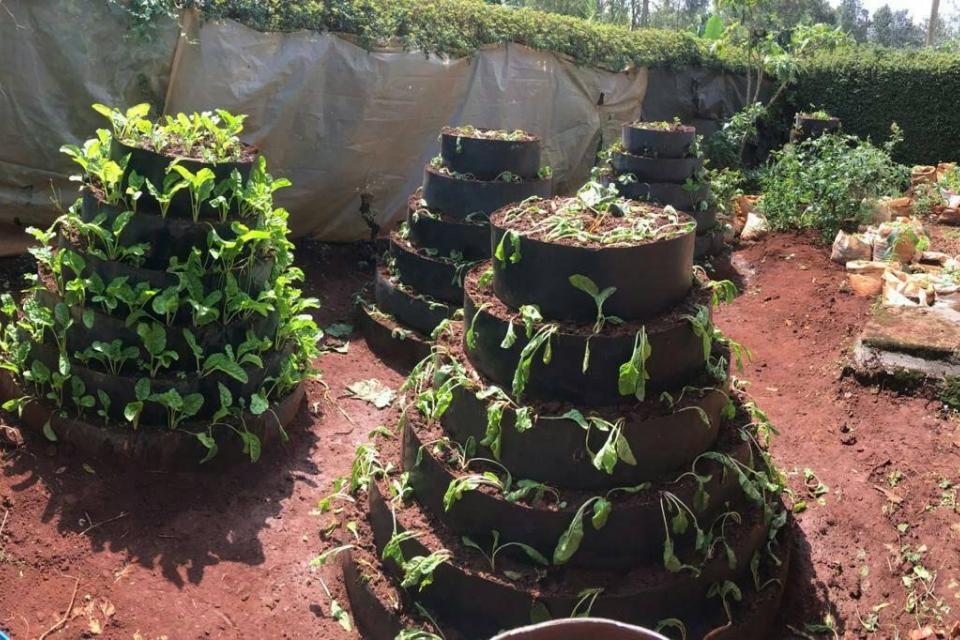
(570, 540)
(154, 337)
(500, 253)
(541, 339)
(633, 376)
(615, 449)
(112, 356)
(727, 591)
(418, 570)
(679, 523)
(588, 286)
(133, 409)
(814, 487)
(496, 548)
(672, 623)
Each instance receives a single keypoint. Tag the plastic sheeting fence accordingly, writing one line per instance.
(336, 119)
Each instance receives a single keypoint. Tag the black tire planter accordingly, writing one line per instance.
(399, 347)
(676, 357)
(709, 244)
(485, 158)
(448, 235)
(660, 443)
(650, 278)
(658, 142)
(120, 388)
(168, 237)
(805, 128)
(373, 619)
(153, 166)
(417, 312)
(665, 193)
(154, 447)
(438, 278)
(464, 595)
(459, 198)
(706, 219)
(212, 338)
(632, 537)
(648, 169)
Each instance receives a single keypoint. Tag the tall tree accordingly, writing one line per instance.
(854, 19)
(932, 25)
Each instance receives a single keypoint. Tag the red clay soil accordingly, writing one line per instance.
(226, 555)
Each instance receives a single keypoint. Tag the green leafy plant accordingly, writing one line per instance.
(830, 181)
(496, 548)
(633, 376)
(588, 286)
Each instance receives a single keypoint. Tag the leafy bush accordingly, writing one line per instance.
(869, 89)
(829, 182)
(455, 27)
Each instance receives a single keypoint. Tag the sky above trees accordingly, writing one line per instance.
(893, 23)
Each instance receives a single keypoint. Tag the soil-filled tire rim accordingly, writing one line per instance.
(487, 158)
(459, 198)
(648, 169)
(415, 311)
(649, 278)
(658, 142)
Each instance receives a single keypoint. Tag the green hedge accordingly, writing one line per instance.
(458, 27)
(868, 89)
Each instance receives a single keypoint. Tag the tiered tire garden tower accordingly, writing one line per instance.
(574, 447)
(420, 281)
(164, 323)
(661, 162)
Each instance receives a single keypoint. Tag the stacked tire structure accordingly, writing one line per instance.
(163, 325)
(420, 281)
(658, 162)
(551, 465)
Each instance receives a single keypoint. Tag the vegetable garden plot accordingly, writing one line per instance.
(420, 282)
(576, 461)
(164, 321)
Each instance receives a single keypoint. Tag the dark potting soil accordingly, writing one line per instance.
(176, 150)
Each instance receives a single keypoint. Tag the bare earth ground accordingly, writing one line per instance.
(226, 555)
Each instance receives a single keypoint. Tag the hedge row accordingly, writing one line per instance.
(871, 88)
(458, 27)
(867, 88)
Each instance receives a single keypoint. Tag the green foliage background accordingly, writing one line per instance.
(868, 88)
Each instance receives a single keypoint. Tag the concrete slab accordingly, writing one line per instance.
(916, 342)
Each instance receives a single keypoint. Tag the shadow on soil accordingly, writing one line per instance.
(807, 599)
(179, 522)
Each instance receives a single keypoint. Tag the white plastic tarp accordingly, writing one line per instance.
(336, 119)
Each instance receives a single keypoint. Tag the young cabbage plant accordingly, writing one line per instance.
(572, 537)
(588, 286)
(541, 339)
(179, 408)
(133, 410)
(501, 253)
(633, 376)
(164, 193)
(496, 548)
(200, 185)
(154, 338)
